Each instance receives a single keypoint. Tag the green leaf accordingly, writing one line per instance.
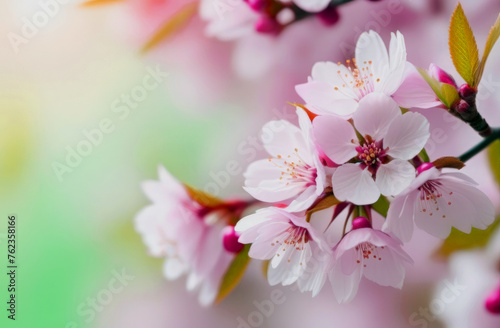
(459, 241)
(494, 159)
(447, 93)
(203, 198)
(463, 47)
(381, 206)
(490, 42)
(171, 26)
(234, 274)
(424, 156)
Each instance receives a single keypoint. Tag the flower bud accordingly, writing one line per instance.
(268, 25)
(424, 167)
(329, 16)
(441, 75)
(466, 92)
(258, 5)
(492, 303)
(360, 222)
(462, 106)
(230, 240)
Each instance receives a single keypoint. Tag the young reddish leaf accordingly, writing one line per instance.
(234, 274)
(463, 47)
(95, 3)
(490, 42)
(459, 241)
(494, 158)
(448, 161)
(327, 202)
(203, 198)
(172, 25)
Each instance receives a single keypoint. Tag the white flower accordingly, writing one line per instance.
(370, 253)
(294, 172)
(337, 89)
(179, 229)
(437, 201)
(289, 241)
(380, 163)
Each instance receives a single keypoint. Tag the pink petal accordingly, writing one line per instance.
(335, 137)
(375, 113)
(407, 135)
(392, 178)
(351, 183)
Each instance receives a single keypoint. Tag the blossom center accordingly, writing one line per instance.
(295, 238)
(367, 253)
(371, 154)
(357, 78)
(432, 196)
(295, 170)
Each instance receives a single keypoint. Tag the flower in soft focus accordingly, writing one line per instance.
(370, 253)
(435, 202)
(312, 5)
(187, 234)
(379, 163)
(338, 89)
(293, 172)
(288, 240)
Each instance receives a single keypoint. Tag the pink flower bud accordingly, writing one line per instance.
(466, 92)
(230, 240)
(492, 303)
(360, 222)
(462, 106)
(268, 25)
(424, 167)
(440, 75)
(329, 17)
(258, 5)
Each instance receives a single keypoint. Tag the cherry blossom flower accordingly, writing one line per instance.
(188, 235)
(337, 89)
(380, 163)
(370, 253)
(312, 5)
(294, 172)
(286, 239)
(437, 201)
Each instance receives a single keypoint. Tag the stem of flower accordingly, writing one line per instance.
(494, 135)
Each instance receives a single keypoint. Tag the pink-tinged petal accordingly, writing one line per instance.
(282, 138)
(371, 48)
(351, 183)
(323, 99)
(392, 178)
(336, 137)
(262, 181)
(336, 76)
(316, 272)
(173, 268)
(375, 113)
(345, 287)
(304, 200)
(209, 249)
(312, 6)
(305, 125)
(394, 77)
(388, 271)
(407, 135)
(399, 220)
(148, 223)
(253, 221)
(415, 92)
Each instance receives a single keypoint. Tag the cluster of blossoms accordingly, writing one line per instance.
(229, 21)
(355, 148)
